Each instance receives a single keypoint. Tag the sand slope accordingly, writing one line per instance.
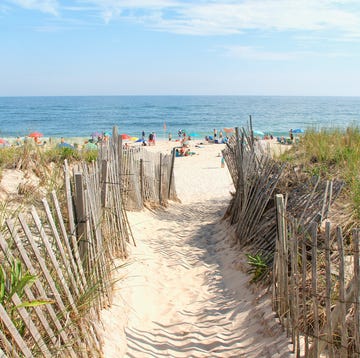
(184, 294)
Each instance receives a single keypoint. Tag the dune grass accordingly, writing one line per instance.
(331, 153)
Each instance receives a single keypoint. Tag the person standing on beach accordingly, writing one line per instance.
(215, 133)
(143, 135)
(170, 137)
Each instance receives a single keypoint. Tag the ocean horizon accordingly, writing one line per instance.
(79, 116)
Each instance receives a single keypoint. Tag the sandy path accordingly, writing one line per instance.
(184, 294)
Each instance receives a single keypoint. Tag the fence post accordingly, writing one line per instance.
(80, 214)
(357, 290)
(314, 284)
(343, 325)
(283, 259)
(160, 179)
(173, 153)
(104, 181)
(329, 330)
(142, 181)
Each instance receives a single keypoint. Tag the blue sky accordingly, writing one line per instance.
(154, 47)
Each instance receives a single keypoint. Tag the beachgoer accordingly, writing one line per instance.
(151, 138)
(170, 137)
(291, 134)
(143, 135)
(215, 133)
(222, 162)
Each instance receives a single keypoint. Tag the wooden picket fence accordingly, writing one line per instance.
(316, 287)
(71, 246)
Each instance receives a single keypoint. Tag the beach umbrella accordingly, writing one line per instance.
(125, 136)
(35, 135)
(91, 146)
(95, 134)
(229, 130)
(258, 133)
(194, 134)
(297, 130)
(107, 134)
(64, 145)
(134, 139)
(2, 141)
(140, 140)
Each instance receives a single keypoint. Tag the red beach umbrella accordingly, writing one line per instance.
(125, 136)
(35, 135)
(2, 141)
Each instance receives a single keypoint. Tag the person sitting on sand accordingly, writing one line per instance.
(151, 138)
(18, 141)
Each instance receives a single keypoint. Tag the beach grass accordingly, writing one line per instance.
(331, 153)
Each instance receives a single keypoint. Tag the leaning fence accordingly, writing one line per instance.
(57, 261)
(315, 289)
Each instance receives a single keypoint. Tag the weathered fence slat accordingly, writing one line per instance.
(329, 330)
(314, 350)
(39, 286)
(30, 326)
(356, 248)
(73, 252)
(14, 333)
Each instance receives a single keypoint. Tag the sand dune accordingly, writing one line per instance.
(185, 293)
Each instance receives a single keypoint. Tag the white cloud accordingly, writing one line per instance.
(224, 17)
(46, 6)
(218, 17)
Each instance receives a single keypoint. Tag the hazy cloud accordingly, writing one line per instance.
(46, 6)
(224, 17)
(218, 17)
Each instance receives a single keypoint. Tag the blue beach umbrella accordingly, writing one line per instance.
(140, 140)
(298, 130)
(258, 133)
(64, 145)
(193, 134)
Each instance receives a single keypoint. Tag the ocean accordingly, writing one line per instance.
(80, 116)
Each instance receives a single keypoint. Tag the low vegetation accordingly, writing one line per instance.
(331, 154)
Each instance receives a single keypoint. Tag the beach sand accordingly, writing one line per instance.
(184, 292)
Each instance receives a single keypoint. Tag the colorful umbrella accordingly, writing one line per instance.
(258, 133)
(3, 141)
(134, 139)
(298, 130)
(193, 134)
(64, 145)
(35, 135)
(91, 146)
(95, 134)
(125, 136)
